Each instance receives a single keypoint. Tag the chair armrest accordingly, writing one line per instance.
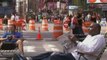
(81, 55)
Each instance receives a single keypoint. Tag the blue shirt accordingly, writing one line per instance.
(16, 34)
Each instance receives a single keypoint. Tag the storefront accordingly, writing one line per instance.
(7, 7)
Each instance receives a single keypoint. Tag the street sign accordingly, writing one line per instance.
(96, 1)
(73, 7)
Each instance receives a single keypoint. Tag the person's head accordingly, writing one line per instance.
(94, 29)
(12, 28)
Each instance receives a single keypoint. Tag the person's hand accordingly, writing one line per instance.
(9, 37)
(72, 38)
(13, 37)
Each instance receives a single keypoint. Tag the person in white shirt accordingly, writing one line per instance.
(92, 44)
(16, 17)
(12, 17)
(90, 47)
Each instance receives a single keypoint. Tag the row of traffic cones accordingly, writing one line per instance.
(44, 25)
(58, 30)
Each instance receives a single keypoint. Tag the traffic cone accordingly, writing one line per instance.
(44, 25)
(32, 25)
(39, 36)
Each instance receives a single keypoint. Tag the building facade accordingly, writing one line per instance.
(7, 7)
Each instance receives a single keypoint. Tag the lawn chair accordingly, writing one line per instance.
(8, 49)
(99, 56)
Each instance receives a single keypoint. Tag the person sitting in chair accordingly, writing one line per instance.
(90, 47)
(14, 37)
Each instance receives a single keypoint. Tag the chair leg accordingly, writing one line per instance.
(79, 57)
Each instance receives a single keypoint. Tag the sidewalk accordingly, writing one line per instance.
(33, 48)
(36, 47)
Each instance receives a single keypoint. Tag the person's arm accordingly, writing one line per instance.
(18, 36)
(91, 47)
(3, 37)
(73, 39)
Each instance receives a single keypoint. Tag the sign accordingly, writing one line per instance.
(96, 1)
(73, 7)
(58, 4)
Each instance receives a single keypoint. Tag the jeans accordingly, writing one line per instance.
(55, 56)
(44, 56)
(62, 56)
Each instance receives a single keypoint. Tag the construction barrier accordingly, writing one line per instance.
(10, 22)
(45, 25)
(19, 24)
(32, 25)
(1, 24)
(85, 26)
(57, 29)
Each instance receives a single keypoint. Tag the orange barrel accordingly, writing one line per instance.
(1, 24)
(45, 25)
(10, 22)
(19, 24)
(57, 29)
(32, 25)
(85, 26)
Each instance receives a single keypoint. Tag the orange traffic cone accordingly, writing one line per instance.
(39, 36)
(44, 25)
